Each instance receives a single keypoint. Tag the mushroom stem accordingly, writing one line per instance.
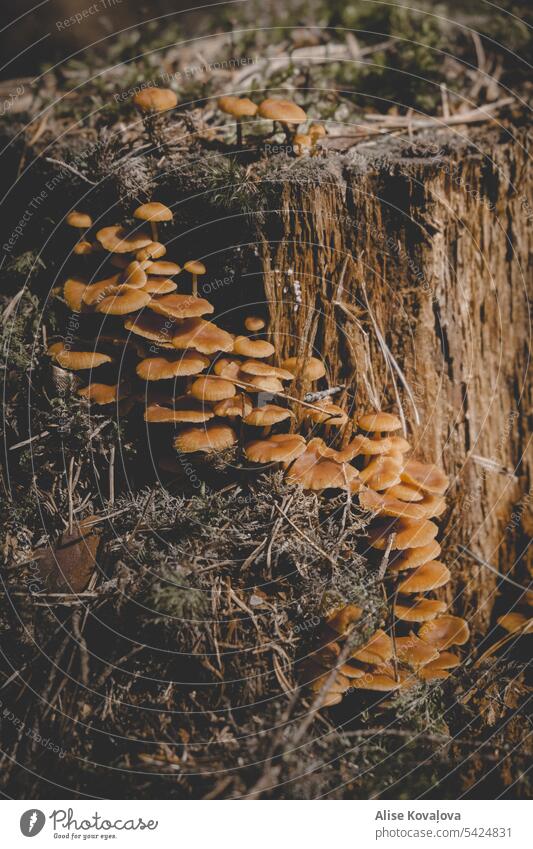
(239, 132)
(266, 430)
(153, 227)
(195, 285)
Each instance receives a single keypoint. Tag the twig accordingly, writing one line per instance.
(304, 536)
(71, 169)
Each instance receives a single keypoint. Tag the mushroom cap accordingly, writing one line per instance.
(409, 533)
(184, 409)
(157, 328)
(445, 660)
(77, 360)
(238, 107)
(382, 504)
(203, 336)
(284, 111)
(212, 437)
(172, 365)
(399, 444)
(329, 414)
(379, 422)
(163, 268)
(342, 620)
(239, 405)
(153, 211)
(80, 220)
(73, 291)
(382, 471)
(210, 388)
(432, 505)
(123, 301)
(317, 131)
(134, 275)
(100, 393)
(414, 652)
(425, 476)
(256, 348)
(377, 681)
(178, 305)
(254, 323)
(312, 471)
(445, 631)
(427, 577)
(257, 383)
(378, 649)
(404, 492)
(94, 293)
(301, 143)
(260, 369)
(336, 687)
(194, 266)
(228, 367)
(152, 99)
(282, 448)
(117, 240)
(83, 248)
(308, 368)
(515, 622)
(267, 415)
(419, 609)
(369, 447)
(154, 250)
(413, 557)
(159, 286)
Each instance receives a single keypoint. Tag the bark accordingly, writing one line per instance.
(434, 255)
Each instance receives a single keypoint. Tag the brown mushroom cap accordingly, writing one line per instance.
(418, 609)
(415, 652)
(260, 384)
(80, 220)
(444, 632)
(282, 448)
(184, 409)
(404, 492)
(152, 99)
(427, 577)
(157, 328)
(172, 365)
(153, 211)
(194, 266)
(254, 323)
(77, 360)
(382, 471)
(123, 301)
(257, 348)
(377, 681)
(228, 367)
(154, 250)
(312, 471)
(73, 291)
(329, 414)
(307, 368)
(83, 248)
(240, 405)
(94, 293)
(212, 437)
(203, 336)
(179, 305)
(163, 268)
(425, 476)
(378, 649)
(100, 393)
(317, 131)
(117, 240)
(301, 143)
(409, 533)
(267, 415)
(212, 389)
(432, 505)
(238, 107)
(134, 275)
(259, 369)
(159, 286)
(398, 444)
(284, 111)
(368, 447)
(379, 422)
(410, 559)
(386, 506)
(342, 620)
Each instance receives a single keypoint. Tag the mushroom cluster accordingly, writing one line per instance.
(220, 390)
(286, 113)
